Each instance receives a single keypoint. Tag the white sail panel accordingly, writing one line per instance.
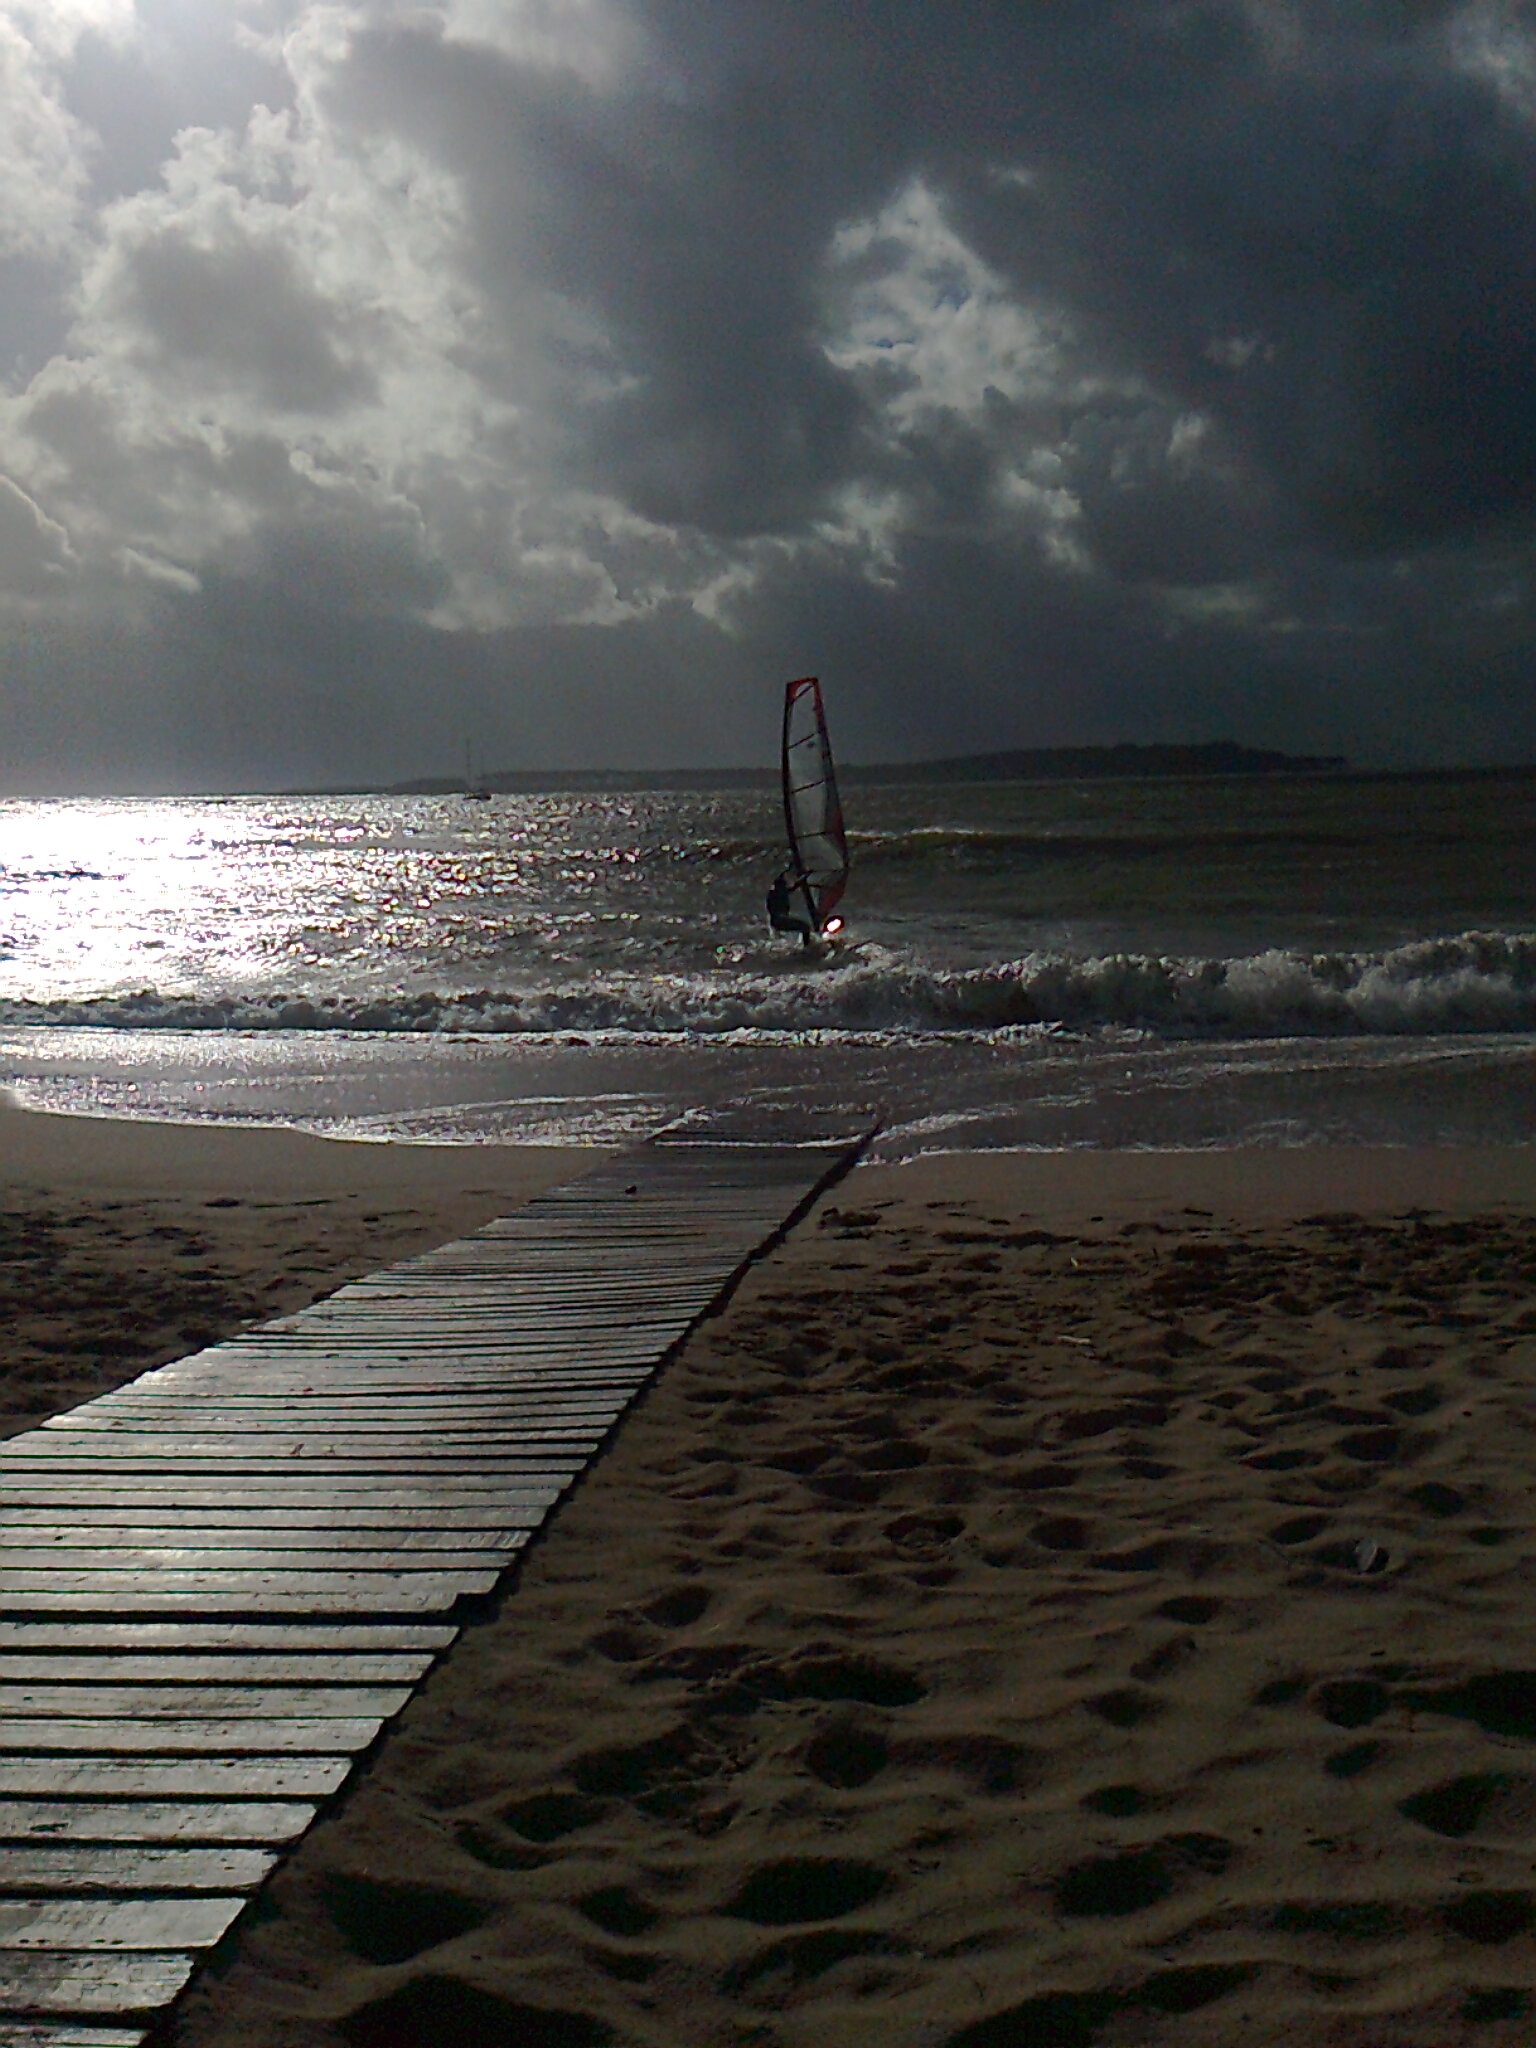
(813, 814)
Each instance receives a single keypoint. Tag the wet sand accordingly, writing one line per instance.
(1062, 1600)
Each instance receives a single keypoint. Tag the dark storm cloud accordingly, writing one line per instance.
(1321, 240)
(1155, 369)
(693, 226)
(1333, 258)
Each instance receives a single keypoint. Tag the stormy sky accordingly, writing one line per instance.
(557, 377)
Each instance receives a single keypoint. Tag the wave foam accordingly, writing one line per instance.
(1477, 981)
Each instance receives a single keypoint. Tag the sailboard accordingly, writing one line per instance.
(813, 815)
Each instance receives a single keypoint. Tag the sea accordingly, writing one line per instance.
(1252, 960)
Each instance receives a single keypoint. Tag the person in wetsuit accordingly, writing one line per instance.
(781, 915)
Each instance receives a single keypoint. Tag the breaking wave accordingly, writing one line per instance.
(1475, 982)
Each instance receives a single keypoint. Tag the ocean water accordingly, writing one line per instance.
(1207, 962)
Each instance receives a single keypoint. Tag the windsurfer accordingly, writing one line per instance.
(780, 916)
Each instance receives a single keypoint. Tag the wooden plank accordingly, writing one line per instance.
(329, 1735)
(120, 1702)
(448, 1547)
(196, 1603)
(300, 1414)
(43, 1667)
(442, 1528)
(528, 1361)
(155, 1446)
(231, 1821)
(128, 1867)
(42, 1564)
(432, 1408)
(62, 2033)
(315, 1638)
(320, 1474)
(299, 1494)
(112, 1924)
(311, 1477)
(224, 1778)
(90, 1982)
(401, 1417)
(357, 1588)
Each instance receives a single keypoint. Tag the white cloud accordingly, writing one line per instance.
(920, 317)
(54, 27)
(35, 554)
(284, 337)
(44, 150)
(593, 39)
(1492, 40)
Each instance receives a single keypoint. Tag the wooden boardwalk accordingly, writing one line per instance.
(220, 1582)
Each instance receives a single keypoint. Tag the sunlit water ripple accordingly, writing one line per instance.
(1049, 963)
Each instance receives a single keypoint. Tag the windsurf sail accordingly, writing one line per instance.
(813, 816)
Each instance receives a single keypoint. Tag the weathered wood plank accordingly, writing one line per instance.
(299, 1493)
(252, 1702)
(90, 1982)
(316, 1638)
(399, 1419)
(333, 1602)
(39, 1869)
(44, 1923)
(94, 1447)
(224, 1778)
(445, 1527)
(357, 1588)
(43, 1667)
(227, 1822)
(337, 1405)
(62, 2033)
(40, 1565)
(329, 1735)
(448, 1548)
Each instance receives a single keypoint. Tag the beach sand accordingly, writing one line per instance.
(1063, 1599)
(123, 1244)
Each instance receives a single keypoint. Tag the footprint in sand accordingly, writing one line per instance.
(1168, 1657)
(988, 1764)
(390, 1923)
(550, 1816)
(667, 1778)
(616, 1910)
(1119, 1802)
(845, 1754)
(1438, 1499)
(802, 1958)
(799, 1888)
(1125, 1707)
(1109, 1886)
(1489, 1917)
(924, 1534)
(679, 1608)
(441, 2008)
(1488, 1803)
(1193, 1608)
(1074, 2019)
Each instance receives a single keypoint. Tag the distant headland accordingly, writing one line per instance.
(1032, 764)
